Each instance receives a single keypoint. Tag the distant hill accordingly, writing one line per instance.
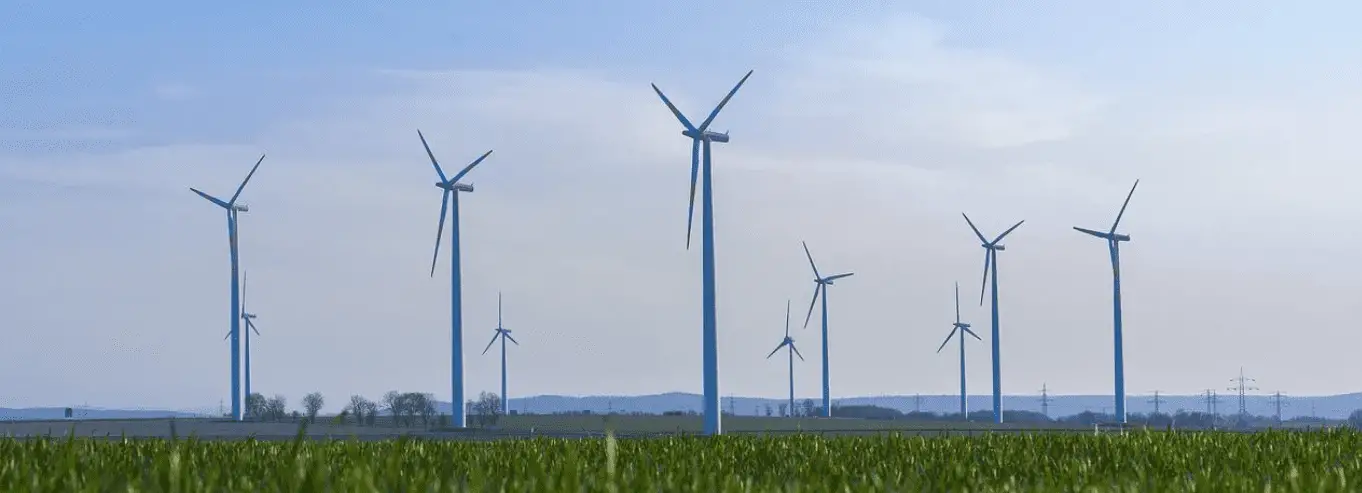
(1331, 407)
(44, 413)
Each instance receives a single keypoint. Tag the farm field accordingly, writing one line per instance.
(1135, 461)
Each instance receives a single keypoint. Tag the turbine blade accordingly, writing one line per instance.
(811, 264)
(988, 258)
(787, 317)
(251, 325)
(976, 230)
(512, 339)
(432, 157)
(242, 186)
(957, 302)
(1009, 230)
(229, 334)
(211, 198)
(839, 276)
(694, 174)
(470, 166)
(715, 113)
(498, 309)
(773, 351)
(243, 295)
(1098, 234)
(796, 351)
(976, 336)
(489, 344)
(1123, 206)
(439, 230)
(816, 288)
(948, 339)
(672, 107)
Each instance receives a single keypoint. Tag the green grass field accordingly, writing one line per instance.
(1136, 461)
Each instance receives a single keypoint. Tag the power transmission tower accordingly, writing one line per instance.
(1242, 385)
(1156, 400)
(1045, 400)
(1277, 398)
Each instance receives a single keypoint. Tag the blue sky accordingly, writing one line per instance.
(864, 131)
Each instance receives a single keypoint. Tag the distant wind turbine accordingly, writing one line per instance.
(991, 262)
(249, 318)
(788, 342)
(503, 334)
(961, 328)
(452, 188)
(701, 138)
(1114, 247)
(232, 209)
(821, 287)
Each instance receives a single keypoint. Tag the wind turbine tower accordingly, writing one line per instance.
(504, 334)
(961, 328)
(452, 188)
(701, 138)
(232, 208)
(820, 288)
(991, 249)
(788, 343)
(1114, 248)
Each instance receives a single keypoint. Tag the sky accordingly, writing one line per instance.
(865, 131)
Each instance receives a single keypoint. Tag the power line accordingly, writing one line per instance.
(1156, 401)
(1277, 398)
(1242, 385)
(1045, 400)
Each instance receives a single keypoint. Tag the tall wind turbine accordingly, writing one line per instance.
(452, 188)
(503, 334)
(962, 328)
(1114, 247)
(701, 138)
(788, 342)
(821, 287)
(232, 209)
(991, 249)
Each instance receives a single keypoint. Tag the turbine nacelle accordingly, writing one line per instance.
(706, 135)
(241, 207)
(961, 325)
(248, 315)
(454, 187)
(995, 247)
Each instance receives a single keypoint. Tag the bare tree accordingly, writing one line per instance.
(370, 412)
(392, 402)
(359, 406)
(255, 406)
(808, 407)
(275, 408)
(783, 408)
(312, 404)
(488, 408)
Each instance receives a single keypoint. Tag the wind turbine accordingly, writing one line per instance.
(232, 209)
(701, 138)
(962, 328)
(1114, 247)
(991, 249)
(503, 334)
(789, 343)
(452, 188)
(249, 318)
(820, 287)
